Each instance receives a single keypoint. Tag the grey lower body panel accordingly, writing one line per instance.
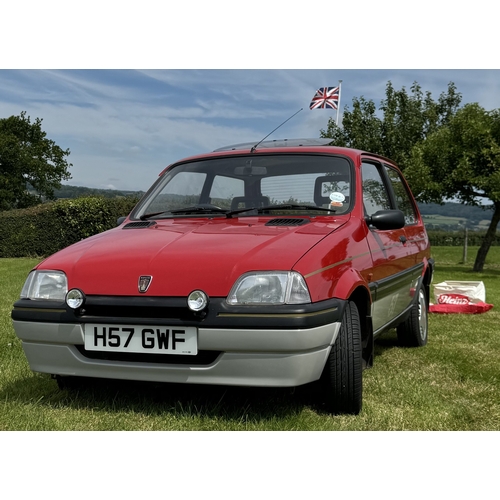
(393, 296)
(258, 357)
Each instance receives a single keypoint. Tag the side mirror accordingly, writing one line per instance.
(120, 221)
(386, 219)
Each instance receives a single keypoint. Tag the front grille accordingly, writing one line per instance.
(203, 358)
(166, 313)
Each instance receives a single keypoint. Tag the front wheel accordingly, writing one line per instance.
(414, 330)
(68, 382)
(342, 376)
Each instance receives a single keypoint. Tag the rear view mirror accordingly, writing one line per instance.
(250, 170)
(386, 219)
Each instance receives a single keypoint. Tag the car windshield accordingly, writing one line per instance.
(277, 182)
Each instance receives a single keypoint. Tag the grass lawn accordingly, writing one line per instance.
(451, 384)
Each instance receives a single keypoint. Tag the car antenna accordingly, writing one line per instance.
(255, 147)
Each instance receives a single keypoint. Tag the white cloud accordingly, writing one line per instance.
(128, 125)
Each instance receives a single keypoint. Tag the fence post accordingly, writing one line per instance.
(466, 232)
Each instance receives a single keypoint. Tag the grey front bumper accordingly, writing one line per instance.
(247, 357)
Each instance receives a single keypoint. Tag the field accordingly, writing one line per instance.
(451, 384)
(452, 223)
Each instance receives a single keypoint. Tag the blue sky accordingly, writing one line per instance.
(133, 89)
(124, 126)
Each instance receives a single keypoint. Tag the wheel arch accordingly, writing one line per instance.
(361, 297)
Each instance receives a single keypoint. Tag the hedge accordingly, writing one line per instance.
(440, 238)
(45, 229)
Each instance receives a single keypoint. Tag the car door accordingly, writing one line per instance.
(392, 275)
(416, 237)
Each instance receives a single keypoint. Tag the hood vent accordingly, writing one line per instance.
(287, 222)
(139, 225)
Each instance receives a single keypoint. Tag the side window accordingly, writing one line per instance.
(403, 198)
(375, 195)
(224, 189)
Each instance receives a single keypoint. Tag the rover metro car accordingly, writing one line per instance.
(275, 265)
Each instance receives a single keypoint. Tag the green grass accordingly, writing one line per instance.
(451, 384)
(448, 221)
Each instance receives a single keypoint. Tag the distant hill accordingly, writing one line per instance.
(453, 216)
(456, 210)
(78, 192)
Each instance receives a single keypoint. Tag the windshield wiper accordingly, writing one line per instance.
(186, 211)
(198, 210)
(229, 214)
(284, 206)
(147, 216)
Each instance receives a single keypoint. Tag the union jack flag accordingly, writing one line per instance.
(326, 97)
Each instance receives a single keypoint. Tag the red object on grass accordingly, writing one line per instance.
(459, 307)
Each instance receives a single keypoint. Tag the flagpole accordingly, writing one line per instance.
(338, 105)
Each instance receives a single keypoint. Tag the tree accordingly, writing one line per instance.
(445, 152)
(406, 119)
(462, 160)
(28, 160)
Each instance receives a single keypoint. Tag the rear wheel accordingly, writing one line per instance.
(342, 376)
(413, 331)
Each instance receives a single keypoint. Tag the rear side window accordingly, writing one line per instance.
(403, 198)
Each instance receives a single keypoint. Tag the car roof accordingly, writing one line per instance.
(280, 143)
(293, 146)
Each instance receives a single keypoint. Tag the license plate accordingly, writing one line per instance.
(141, 339)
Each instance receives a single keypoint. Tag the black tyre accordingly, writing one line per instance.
(413, 331)
(343, 374)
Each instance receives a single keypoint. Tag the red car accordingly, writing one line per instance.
(275, 264)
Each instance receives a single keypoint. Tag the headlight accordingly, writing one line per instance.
(269, 288)
(45, 285)
(197, 301)
(75, 298)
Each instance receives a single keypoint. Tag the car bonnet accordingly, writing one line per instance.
(182, 255)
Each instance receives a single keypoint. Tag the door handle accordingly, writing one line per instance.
(402, 239)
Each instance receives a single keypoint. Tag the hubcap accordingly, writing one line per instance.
(422, 315)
